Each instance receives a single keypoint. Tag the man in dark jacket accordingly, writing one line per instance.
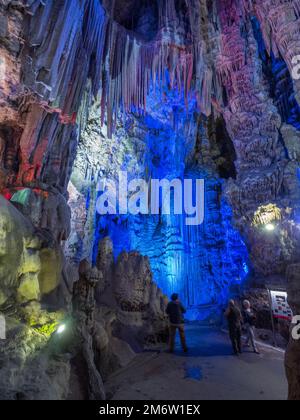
(175, 310)
(234, 318)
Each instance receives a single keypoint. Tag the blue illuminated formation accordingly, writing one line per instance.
(201, 263)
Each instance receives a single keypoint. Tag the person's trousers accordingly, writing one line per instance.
(172, 335)
(250, 336)
(235, 334)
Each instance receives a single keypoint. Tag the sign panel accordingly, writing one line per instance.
(280, 306)
(2, 328)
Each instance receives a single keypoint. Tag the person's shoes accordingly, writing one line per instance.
(256, 352)
(235, 354)
(186, 350)
(170, 351)
(240, 351)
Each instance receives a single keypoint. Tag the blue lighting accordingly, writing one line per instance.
(203, 262)
(246, 268)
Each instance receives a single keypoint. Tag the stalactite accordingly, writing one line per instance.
(166, 12)
(280, 24)
(116, 61)
(134, 66)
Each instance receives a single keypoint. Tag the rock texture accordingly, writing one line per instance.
(141, 305)
(30, 370)
(47, 104)
(121, 318)
(100, 335)
(263, 169)
(292, 360)
(190, 88)
(31, 262)
(169, 142)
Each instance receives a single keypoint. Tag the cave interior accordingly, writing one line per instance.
(157, 90)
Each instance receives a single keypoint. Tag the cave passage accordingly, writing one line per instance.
(208, 371)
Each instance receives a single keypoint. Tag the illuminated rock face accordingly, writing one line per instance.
(266, 175)
(202, 263)
(16, 234)
(128, 289)
(30, 266)
(79, 83)
(42, 106)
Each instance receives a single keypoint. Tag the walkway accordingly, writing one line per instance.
(208, 372)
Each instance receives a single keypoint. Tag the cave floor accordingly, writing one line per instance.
(208, 372)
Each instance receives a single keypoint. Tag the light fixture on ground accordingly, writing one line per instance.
(270, 227)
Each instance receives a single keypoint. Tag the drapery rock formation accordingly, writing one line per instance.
(167, 89)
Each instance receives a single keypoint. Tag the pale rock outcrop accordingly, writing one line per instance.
(19, 253)
(292, 359)
(31, 261)
(107, 334)
(132, 295)
(30, 370)
(140, 304)
(83, 309)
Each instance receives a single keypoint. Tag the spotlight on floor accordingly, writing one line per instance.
(61, 329)
(270, 227)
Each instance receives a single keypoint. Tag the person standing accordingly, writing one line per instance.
(175, 311)
(249, 320)
(234, 318)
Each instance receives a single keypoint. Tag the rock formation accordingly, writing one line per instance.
(168, 89)
(292, 360)
(31, 262)
(101, 335)
(141, 305)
